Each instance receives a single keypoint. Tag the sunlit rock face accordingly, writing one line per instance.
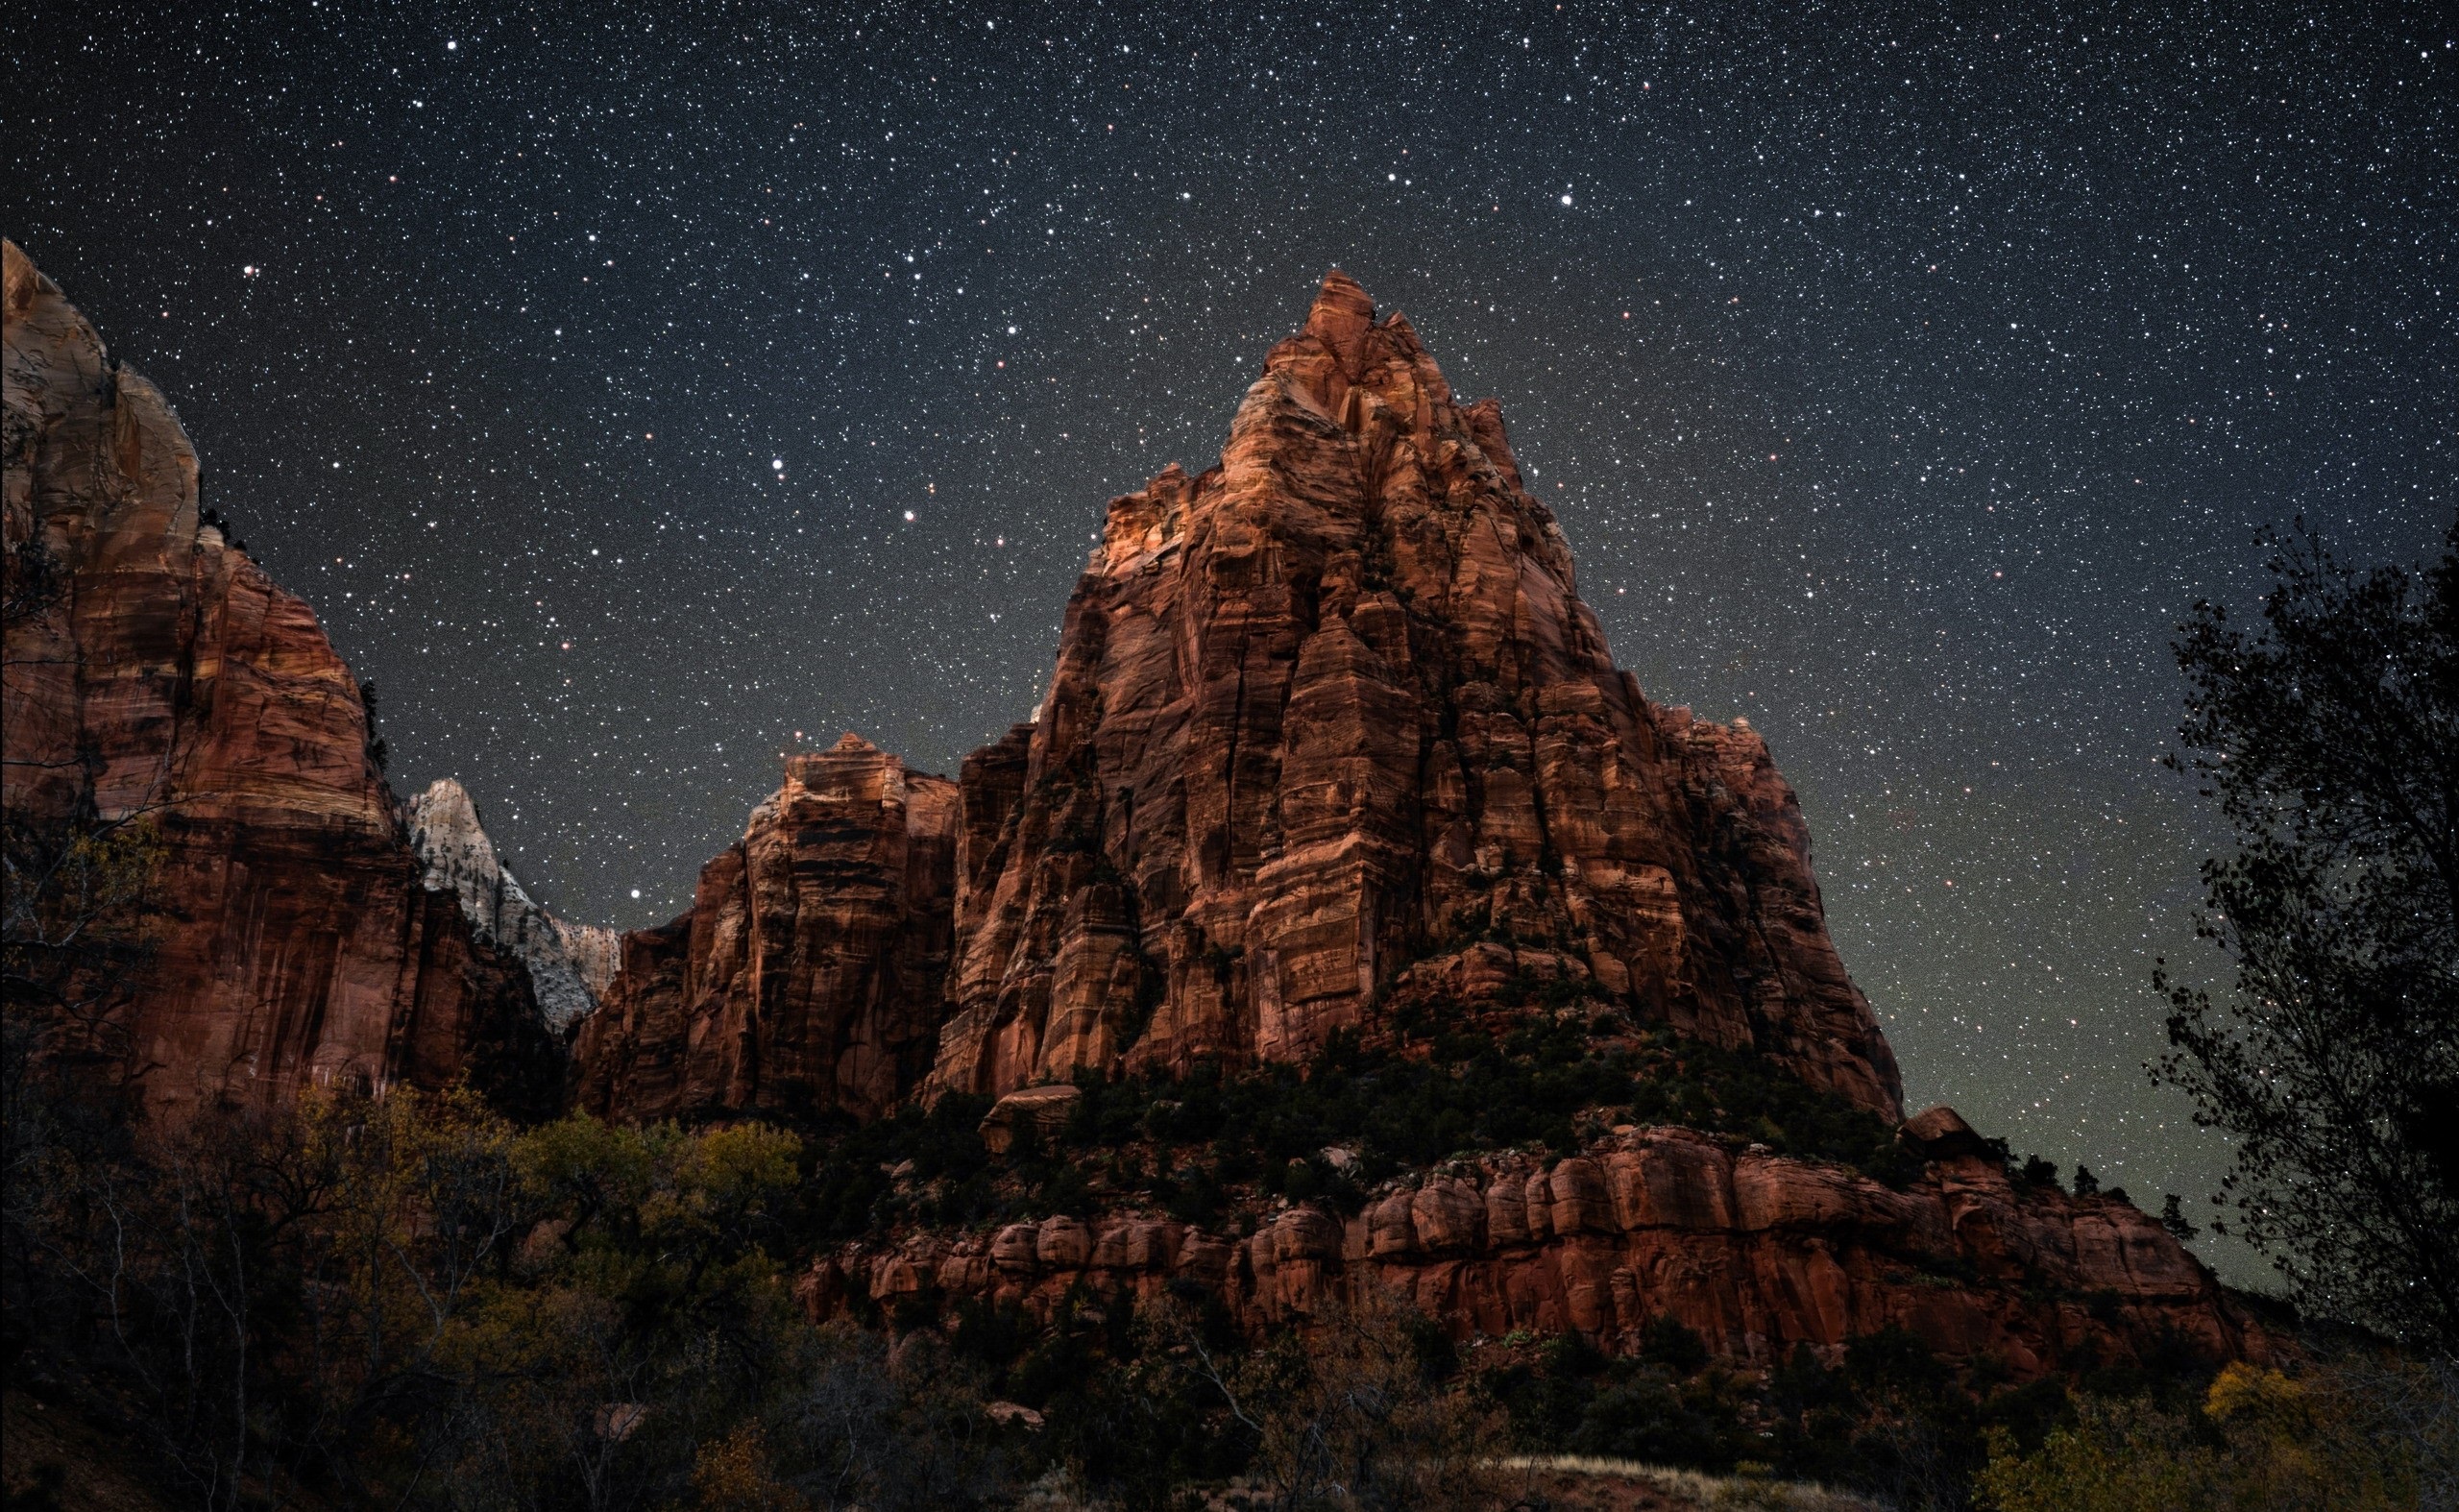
(808, 976)
(1333, 711)
(162, 675)
(570, 966)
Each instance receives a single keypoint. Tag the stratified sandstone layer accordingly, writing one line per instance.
(166, 675)
(807, 976)
(1756, 1253)
(1334, 709)
(570, 966)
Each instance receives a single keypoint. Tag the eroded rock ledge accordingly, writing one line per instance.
(1755, 1252)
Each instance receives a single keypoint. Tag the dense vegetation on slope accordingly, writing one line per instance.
(1548, 1069)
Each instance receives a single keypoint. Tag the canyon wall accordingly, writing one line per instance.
(159, 683)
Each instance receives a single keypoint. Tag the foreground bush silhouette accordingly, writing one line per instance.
(2327, 733)
(1353, 1409)
(2355, 1437)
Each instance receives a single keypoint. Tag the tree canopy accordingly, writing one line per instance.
(2327, 733)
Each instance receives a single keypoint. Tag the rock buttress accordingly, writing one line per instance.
(809, 975)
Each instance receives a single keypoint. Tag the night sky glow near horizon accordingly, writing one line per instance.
(638, 394)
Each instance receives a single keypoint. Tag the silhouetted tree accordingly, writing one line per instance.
(2330, 736)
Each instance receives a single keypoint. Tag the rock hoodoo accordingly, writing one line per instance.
(155, 671)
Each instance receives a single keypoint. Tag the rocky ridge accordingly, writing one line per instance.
(570, 966)
(157, 674)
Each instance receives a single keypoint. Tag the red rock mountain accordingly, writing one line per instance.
(1328, 719)
(154, 670)
(1331, 732)
(1334, 710)
(1331, 738)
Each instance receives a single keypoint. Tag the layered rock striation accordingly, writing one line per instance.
(156, 675)
(1334, 709)
(807, 977)
(1756, 1253)
(570, 966)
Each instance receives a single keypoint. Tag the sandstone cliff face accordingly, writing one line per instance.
(570, 966)
(807, 977)
(167, 675)
(1333, 710)
(1756, 1253)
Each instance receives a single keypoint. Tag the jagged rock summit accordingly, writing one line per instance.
(158, 674)
(807, 977)
(570, 966)
(1331, 715)
(1330, 726)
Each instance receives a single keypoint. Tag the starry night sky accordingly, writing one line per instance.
(639, 394)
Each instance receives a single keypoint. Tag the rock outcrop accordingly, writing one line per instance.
(1334, 709)
(807, 977)
(157, 676)
(1756, 1253)
(570, 966)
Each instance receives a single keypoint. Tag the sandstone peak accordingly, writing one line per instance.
(1333, 710)
(570, 966)
(1330, 730)
(809, 975)
(1341, 316)
(445, 802)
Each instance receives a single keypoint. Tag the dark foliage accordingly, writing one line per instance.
(2328, 734)
(1890, 1420)
(1205, 1147)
